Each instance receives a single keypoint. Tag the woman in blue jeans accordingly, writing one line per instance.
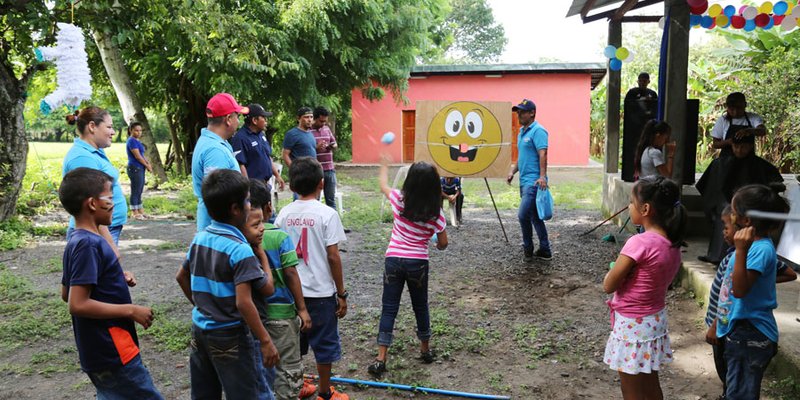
(136, 166)
(418, 215)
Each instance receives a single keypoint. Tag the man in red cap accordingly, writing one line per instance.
(212, 150)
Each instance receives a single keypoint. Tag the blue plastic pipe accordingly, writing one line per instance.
(425, 390)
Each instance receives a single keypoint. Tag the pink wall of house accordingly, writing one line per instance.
(563, 103)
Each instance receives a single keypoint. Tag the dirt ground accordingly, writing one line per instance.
(501, 326)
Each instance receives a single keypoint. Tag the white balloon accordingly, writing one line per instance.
(661, 23)
(788, 23)
(795, 12)
(750, 12)
(630, 56)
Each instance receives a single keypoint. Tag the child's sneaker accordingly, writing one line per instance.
(307, 390)
(334, 395)
(377, 368)
(543, 254)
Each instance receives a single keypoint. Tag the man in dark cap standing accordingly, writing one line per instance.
(532, 167)
(251, 148)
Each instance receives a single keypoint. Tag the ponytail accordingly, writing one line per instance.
(664, 196)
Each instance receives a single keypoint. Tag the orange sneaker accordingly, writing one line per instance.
(308, 389)
(335, 395)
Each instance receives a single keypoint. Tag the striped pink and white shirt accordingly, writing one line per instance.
(409, 238)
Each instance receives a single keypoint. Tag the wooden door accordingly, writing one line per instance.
(409, 135)
(514, 132)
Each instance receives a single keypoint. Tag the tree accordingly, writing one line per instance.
(469, 34)
(25, 24)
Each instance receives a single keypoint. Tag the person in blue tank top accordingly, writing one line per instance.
(137, 164)
(532, 167)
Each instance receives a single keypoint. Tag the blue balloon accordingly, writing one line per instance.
(615, 64)
(729, 11)
(770, 24)
(610, 51)
(750, 25)
(695, 20)
(780, 8)
(707, 21)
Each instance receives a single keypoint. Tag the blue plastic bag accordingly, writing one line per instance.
(544, 204)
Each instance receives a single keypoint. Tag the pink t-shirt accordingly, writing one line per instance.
(644, 291)
(410, 239)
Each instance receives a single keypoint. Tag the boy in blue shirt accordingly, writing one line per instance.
(96, 289)
(219, 276)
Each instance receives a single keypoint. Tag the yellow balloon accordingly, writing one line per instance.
(789, 7)
(622, 53)
(714, 10)
(722, 21)
(766, 8)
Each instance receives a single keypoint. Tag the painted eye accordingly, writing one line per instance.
(474, 124)
(453, 123)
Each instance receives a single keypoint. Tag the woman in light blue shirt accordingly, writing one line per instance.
(95, 131)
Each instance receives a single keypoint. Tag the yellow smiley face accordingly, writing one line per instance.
(464, 138)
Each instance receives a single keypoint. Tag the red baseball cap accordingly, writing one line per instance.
(223, 104)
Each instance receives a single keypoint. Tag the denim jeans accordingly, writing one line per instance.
(114, 230)
(330, 188)
(529, 219)
(224, 360)
(397, 273)
(747, 355)
(136, 175)
(131, 381)
(266, 375)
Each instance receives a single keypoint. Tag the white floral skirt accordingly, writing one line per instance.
(638, 345)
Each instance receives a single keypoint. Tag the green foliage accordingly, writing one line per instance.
(172, 330)
(27, 314)
(469, 35)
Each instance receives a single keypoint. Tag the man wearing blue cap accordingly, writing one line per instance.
(532, 167)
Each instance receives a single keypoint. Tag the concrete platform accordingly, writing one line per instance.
(698, 276)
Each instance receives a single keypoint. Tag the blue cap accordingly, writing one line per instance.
(525, 105)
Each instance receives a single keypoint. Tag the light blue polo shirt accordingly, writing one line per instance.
(82, 154)
(211, 152)
(529, 142)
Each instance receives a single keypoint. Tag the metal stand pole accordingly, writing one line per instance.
(495, 208)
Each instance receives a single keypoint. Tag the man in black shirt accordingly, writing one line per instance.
(645, 99)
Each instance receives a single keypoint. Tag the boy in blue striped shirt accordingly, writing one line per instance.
(219, 276)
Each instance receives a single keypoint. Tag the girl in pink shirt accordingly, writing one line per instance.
(639, 343)
(417, 211)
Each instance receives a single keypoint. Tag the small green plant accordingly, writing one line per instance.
(16, 232)
(50, 266)
(26, 314)
(496, 382)
(170, 331)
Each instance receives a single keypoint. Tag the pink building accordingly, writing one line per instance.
(561, 93)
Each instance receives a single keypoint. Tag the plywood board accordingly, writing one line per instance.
(464, 138)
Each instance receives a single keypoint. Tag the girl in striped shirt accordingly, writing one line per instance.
(417, 216)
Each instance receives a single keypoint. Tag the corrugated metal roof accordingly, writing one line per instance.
(596, 69)
(577, 5)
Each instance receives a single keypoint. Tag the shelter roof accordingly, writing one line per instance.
(613, 9)
(597, 69)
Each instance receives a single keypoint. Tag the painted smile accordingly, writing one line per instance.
(463, 152)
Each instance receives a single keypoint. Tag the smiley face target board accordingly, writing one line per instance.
(464, 138)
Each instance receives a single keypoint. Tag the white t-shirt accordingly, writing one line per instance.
(652, 158)
(722, 125)
(313, 227)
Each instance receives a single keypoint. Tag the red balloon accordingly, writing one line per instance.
(713, 24)
(778, 19)
(699, 10)
(695, 3)
(762, 20)
(738, 21)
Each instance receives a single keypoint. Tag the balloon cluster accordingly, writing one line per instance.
(617, 56)
(767, 15)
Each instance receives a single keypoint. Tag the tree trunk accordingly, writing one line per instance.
(13, 144)
(177, 149)
(128, 99)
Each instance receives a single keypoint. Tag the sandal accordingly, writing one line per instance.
(377, 368)
(427, 357)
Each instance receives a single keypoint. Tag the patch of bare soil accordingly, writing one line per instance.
(501, 326)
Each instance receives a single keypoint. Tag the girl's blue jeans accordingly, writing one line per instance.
(136, 175)
(399, 272)
(529, 219)
(747, 355)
